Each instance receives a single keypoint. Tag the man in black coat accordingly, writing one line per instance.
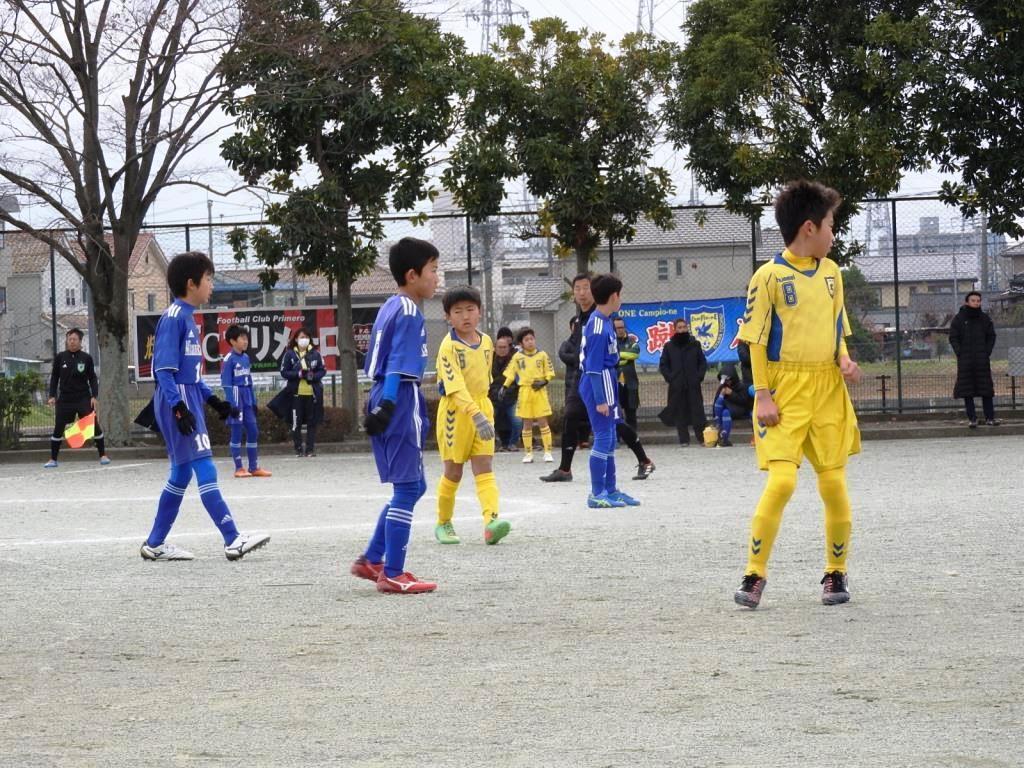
(972, 336)
(507, 426)
(683, 366)
(73, 392)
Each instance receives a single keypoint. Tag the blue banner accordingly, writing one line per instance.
(713, 322)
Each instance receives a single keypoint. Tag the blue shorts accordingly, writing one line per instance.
(598, 422)
(183, 449)
(399, 451)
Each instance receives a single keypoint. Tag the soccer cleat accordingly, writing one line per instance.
(104, 460)
(364, 569)
(165, 551)
(724, 442)
(548, 458)
(50, 464)
(604, 501)
(403, 584)
(834, 590)
(244, 544)
(528, 458)
(260, 472)
(992, 422)
(496, 530)
(240, 472)
(749, 593)
(445, 534)
(643, 471)
(624, 497)
(558, 476)
(512, 448)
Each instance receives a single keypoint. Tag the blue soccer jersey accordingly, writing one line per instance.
(398, 341)
(178, 369)
(236, 378)
(599, 360)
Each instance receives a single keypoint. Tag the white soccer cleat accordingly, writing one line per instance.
(548, 458)
(50, 464)
(244, 544)
(165, 551)
(528, 458)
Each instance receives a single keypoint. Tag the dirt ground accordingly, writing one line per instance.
(587, 638)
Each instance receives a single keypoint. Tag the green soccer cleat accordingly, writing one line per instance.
(446, 534)
(496, 530)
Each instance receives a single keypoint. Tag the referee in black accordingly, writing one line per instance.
(73, 389)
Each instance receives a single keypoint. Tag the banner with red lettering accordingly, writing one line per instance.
(713, 322)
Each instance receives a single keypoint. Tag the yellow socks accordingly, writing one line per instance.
(838, 520)
(528, 440)
(545, 438)
(446, 500)
(487, 493)
(768, 516)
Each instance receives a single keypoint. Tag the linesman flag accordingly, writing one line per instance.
(81, 430)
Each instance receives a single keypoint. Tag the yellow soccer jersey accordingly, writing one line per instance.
(798, 314)
(464, 368)
(528, 368)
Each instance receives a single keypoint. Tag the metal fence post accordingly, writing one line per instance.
(469, 251)
(753, 245)
(611, 255)
(53, 298)
(896, 287)
(188, 237)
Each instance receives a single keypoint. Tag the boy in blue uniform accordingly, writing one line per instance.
(397, 414)
(599, 390)
(236, 378)
(178, 409)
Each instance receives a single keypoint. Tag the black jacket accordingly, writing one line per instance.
(281, 405)
(972, 336)
(569, 353)
(683, 366)
(73, 377)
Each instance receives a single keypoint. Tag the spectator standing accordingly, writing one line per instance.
(302, 399)
(73, 392)
(683, 367)
(629, 382)
(507, 425)
(972, 336)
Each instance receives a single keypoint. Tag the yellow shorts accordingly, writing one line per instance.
(533, 403)
(816, 417)
(457, 438)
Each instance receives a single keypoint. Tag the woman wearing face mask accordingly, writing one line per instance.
(302, 399)
(683, 366)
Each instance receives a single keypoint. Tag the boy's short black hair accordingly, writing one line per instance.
(966, 297)
(75, 331)
(235, 331)
(410, 253)
(193, 266)
(582, 276)
(603, 287)
(801, 201)
(523, 333)
(504, 333)
(461, 293)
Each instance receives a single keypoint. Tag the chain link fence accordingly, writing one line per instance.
(910, 262)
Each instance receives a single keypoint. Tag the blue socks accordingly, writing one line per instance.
(602, 463)
(209, 492)
(391, 536)
(235, 444)
(169, 504)
(723, 417)
(252, 434)
(170, 501)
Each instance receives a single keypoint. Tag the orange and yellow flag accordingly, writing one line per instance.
(81, 430)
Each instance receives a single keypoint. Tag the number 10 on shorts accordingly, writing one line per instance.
(202, 441)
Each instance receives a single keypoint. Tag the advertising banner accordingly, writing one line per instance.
(713, 322)
(269, 329)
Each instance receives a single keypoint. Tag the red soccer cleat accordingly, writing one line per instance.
(403, 584)
(364, 569)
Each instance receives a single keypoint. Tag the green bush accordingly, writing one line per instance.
(336, 426)
(16, 397)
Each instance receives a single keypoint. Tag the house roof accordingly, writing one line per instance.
(918, 268)
(541, 292)
(1013, 250)
(702, 226)
(29, 255)
(378, 282)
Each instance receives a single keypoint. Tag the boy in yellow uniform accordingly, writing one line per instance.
(465, 416)
(534, 370)
(795, 326)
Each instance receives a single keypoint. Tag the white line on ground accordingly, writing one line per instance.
(108, 468)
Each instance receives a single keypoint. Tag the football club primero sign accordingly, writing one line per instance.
(713, 322)
(269, 329)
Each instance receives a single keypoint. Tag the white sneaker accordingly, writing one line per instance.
(244, 544)
(548, 458)
(165, 551)
(528, 458)
(50, 464)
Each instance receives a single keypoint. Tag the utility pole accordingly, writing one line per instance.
(209, 228)
(645, 17)
(984, 253)
(492, 15)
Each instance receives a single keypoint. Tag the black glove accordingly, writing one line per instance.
(502, 392)
(377, 420)
(539, 383)
(185, 420)
(223, 408)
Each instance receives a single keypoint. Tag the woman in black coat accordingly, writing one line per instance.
(302, 399)
(972, 336)
(683, 366)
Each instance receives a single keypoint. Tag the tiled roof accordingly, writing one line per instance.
(541, 292)
(1013, 250)
(701, 226)
(28, 254)
(918, 268)
(378, 282)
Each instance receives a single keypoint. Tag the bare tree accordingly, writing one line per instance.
(100, 102)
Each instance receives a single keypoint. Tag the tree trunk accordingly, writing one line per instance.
(347, 353)
(108, 282)
(583, 257)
